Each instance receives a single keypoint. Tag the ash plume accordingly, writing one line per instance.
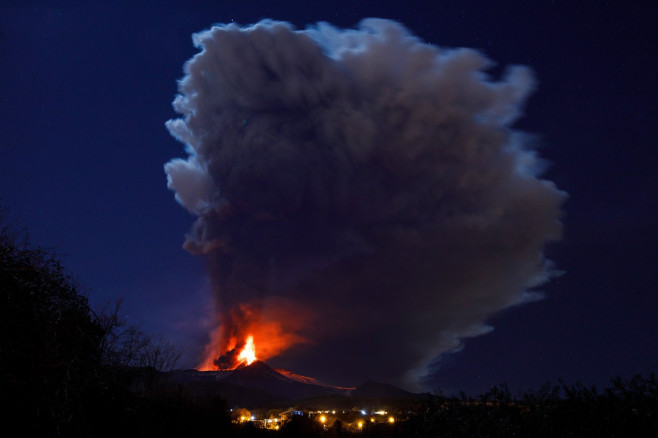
(360, 192)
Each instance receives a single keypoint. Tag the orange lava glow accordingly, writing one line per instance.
(248, 353)
(267, 328)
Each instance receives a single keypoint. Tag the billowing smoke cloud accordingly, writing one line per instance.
(361, 195)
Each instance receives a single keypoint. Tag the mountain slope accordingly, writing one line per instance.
(259, 384)
(258, 379)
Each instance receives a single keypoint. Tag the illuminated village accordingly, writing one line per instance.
(353, 419)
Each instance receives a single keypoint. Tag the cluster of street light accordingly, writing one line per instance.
(380, 416)
(325, 417)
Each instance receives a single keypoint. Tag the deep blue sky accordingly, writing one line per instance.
(85, 91)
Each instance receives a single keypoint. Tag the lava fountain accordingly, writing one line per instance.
(274, 326)
(235, 357)
(248, 352)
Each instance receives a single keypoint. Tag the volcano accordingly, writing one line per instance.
(259, 384)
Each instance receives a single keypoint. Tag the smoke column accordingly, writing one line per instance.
(362, 200)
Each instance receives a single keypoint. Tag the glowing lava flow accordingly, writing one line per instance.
(248, 353)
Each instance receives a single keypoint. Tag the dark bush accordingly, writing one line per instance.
(61, 376)
(49, 342)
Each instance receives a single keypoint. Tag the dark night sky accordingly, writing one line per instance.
(86, 89)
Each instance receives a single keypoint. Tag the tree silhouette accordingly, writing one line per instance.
(69, 371)
(126, 345)
(49, 341)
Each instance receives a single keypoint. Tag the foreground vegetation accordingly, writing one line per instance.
(67, 370)
(73, 372)
(625, 408)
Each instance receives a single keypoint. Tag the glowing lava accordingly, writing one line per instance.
(248, 353)
(235, 355)
(274, 325)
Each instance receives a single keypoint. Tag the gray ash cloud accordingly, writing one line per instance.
(371, 181)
